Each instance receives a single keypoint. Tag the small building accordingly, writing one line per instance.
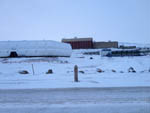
(127, 47)
(110, 44)
(80, 43)
(35, 48)
(120, 52)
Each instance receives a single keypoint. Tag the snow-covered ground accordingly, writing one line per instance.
(76, 100)
(63, 74)
(115, 90)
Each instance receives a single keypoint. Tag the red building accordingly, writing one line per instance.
(80, 43)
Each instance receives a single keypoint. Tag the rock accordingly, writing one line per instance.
(113, 70)
(131, 70)
(81, 57)
(50, 71)
(81, 72)
(23, 72)
(91, 57)
(121, 72)
(100, 70)
(61, 62)
(65, 62)
(142, 71)
(68, 71)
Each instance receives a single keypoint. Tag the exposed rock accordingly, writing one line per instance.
(81, 72)
(121, 72)
(131, 70)
(65, 62)
(142, 71)
(24, 72)
(91, 57)
(50, 71)
(81, 57)
(113, 70)
(100, 70)
(61, 62)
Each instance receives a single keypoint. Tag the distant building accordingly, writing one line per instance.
(109, 44)
(120, 52)
(127, 47)
(80, 43)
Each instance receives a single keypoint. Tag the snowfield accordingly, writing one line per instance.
(76, 100)
(105, 84)
(115, 71)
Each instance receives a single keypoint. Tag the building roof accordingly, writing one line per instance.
(77, 39)
(107, 42)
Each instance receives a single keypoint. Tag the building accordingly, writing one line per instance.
(127, 47)
(109, 44)
(120, 52)
(34, 49)
(80, 43)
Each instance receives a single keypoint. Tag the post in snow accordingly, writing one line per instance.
(76, 73)
(33, 69)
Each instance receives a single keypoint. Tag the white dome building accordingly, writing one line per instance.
(34, 48)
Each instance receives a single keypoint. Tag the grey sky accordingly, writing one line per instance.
(122, 20)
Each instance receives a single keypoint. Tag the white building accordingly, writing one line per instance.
(34, 48)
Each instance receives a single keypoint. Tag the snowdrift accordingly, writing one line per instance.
(34, 48)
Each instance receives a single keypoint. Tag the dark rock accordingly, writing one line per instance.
(121, 72)
(65, 62)
(81, 72)
(142, 71)
(91, 57)
(23, 72)
(50, 71)
(80, 57)
(131, 70)
(100, 70)
(113, 70)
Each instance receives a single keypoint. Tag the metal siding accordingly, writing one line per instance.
(81, 44)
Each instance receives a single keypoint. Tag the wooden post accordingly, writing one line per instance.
(76, 73)
(32, 69)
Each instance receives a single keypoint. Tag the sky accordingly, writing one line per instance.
(104, 20)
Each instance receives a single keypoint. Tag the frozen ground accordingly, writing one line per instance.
(107, 92)
(76, 100)
(62, 76)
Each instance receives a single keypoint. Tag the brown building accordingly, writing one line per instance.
(80, 43)
(109, 44)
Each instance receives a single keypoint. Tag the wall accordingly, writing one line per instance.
(105, 45)
(81, 44)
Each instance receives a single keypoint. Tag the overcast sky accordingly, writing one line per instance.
(119, 20)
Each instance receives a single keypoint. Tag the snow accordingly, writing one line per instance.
(76, 100)
(63, 74)
(35, 48)
(106, 92)
(102, 108)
